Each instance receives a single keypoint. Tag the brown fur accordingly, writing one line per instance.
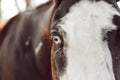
(55, 73)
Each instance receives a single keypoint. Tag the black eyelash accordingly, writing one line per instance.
(57, 34)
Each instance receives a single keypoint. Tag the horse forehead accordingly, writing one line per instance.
(80, 12)
(65, 6)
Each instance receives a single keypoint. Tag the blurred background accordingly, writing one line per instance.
(9, 8)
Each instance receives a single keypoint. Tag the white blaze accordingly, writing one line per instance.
(88, 55)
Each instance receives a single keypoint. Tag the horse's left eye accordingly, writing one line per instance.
(57, 40)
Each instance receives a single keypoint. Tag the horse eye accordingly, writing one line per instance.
(57, 40)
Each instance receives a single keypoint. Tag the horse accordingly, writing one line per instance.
(25, 45)
(86, 40)
(62, 40)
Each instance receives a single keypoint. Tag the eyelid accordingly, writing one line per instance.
(55, 33)
(54, 29)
